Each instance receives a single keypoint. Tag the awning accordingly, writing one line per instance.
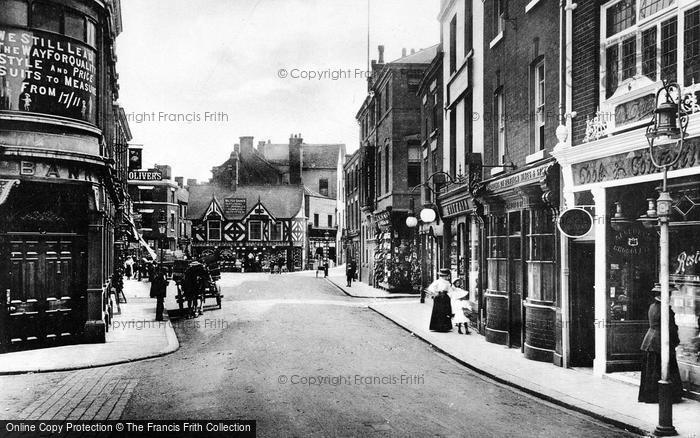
(5, 188)
(134, 232)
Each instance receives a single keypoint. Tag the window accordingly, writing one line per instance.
(323, 186)
(330, 221)
(74, 25)
(46, 17)
(214, 228)
(453, 45)
(435, 114)
(413, 80)
(15, 13)
(386, 99)
(90, 33)
(642, 39)
(691, 51)
(172, 221)
(146, 194)
(497, 260)
(255, 230)
(499, 17)
(386, 169)
(316, 220)
(413, 176)
(541, 271)
(538, 103)
(500, 126)
(276, 232)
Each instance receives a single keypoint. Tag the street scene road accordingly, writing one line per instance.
(294, 353)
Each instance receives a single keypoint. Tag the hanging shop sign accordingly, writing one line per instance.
(383, 221)
(135, 158)
(145, 175)
(48, 74)
(635, 163)
(235, 207)
(575, 222)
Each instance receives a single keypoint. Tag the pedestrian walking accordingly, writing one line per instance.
(128, 268)
(350, 271)
(159, 287)
(325, 268)
(280, 263)
(651, 365)
(441, 316)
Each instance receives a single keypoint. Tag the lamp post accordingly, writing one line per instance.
(427, 215)
(665, 131)
(161, 230)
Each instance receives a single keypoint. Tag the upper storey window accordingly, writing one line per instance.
(652, 39)
(15, 13)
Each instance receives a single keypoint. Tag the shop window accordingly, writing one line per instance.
(74, 25)
(515, 252)
(497, 260)
(255, 230)
(46, 17)
(15, 13)
(541, 266)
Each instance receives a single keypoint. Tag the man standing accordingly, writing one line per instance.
(158, 291)
(350, 271)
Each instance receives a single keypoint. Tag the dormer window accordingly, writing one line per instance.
(214, 227)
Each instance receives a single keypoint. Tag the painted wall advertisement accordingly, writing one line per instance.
(49, 74)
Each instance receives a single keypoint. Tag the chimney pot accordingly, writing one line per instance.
(381, 54)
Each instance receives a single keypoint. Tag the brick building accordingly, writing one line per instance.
(389, 121)
(353, 215)
(619, 54)
(519, 194)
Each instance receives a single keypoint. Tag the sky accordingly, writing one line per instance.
(195, 76)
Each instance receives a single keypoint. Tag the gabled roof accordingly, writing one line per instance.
(282, 201)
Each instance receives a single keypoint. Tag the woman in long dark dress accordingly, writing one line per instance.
(441, 317)
(651, 345)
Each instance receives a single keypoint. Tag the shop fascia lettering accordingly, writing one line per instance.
(46, 170)
(686, 260)
(35, 50)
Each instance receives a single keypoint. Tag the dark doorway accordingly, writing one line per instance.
(581, 291)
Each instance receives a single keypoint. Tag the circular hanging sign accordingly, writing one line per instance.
(575, 222)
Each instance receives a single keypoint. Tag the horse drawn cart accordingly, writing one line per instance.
(195, 283)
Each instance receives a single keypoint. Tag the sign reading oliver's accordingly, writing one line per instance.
(49, 74)
(635, 163)
(235, 207)
(145, 175)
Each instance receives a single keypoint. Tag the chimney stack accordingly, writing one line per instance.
(403, 52)
(246, 145)
(180, 181)
(413, 51)
(191, 182)
(381, 54)
(295, 159)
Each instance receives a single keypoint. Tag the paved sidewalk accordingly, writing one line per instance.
(134, 335)
(359, 289)
(609, 400)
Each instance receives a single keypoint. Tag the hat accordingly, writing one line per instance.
(444, 272)
(657, 289)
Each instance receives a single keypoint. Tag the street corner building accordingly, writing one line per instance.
(268, 205)
(63, 146)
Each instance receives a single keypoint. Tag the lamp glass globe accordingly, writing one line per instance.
(411, 222)
(427, 215)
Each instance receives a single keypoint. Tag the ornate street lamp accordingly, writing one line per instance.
(667, 129)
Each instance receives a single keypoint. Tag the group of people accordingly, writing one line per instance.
(139, 269)
(448, 306)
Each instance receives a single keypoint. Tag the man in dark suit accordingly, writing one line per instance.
(159, 286)
(350, 271)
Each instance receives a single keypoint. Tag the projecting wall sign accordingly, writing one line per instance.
(575, 222)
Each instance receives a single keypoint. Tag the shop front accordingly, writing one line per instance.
(463, 232)
(521, 262)
(396, 262)
(619, 183)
